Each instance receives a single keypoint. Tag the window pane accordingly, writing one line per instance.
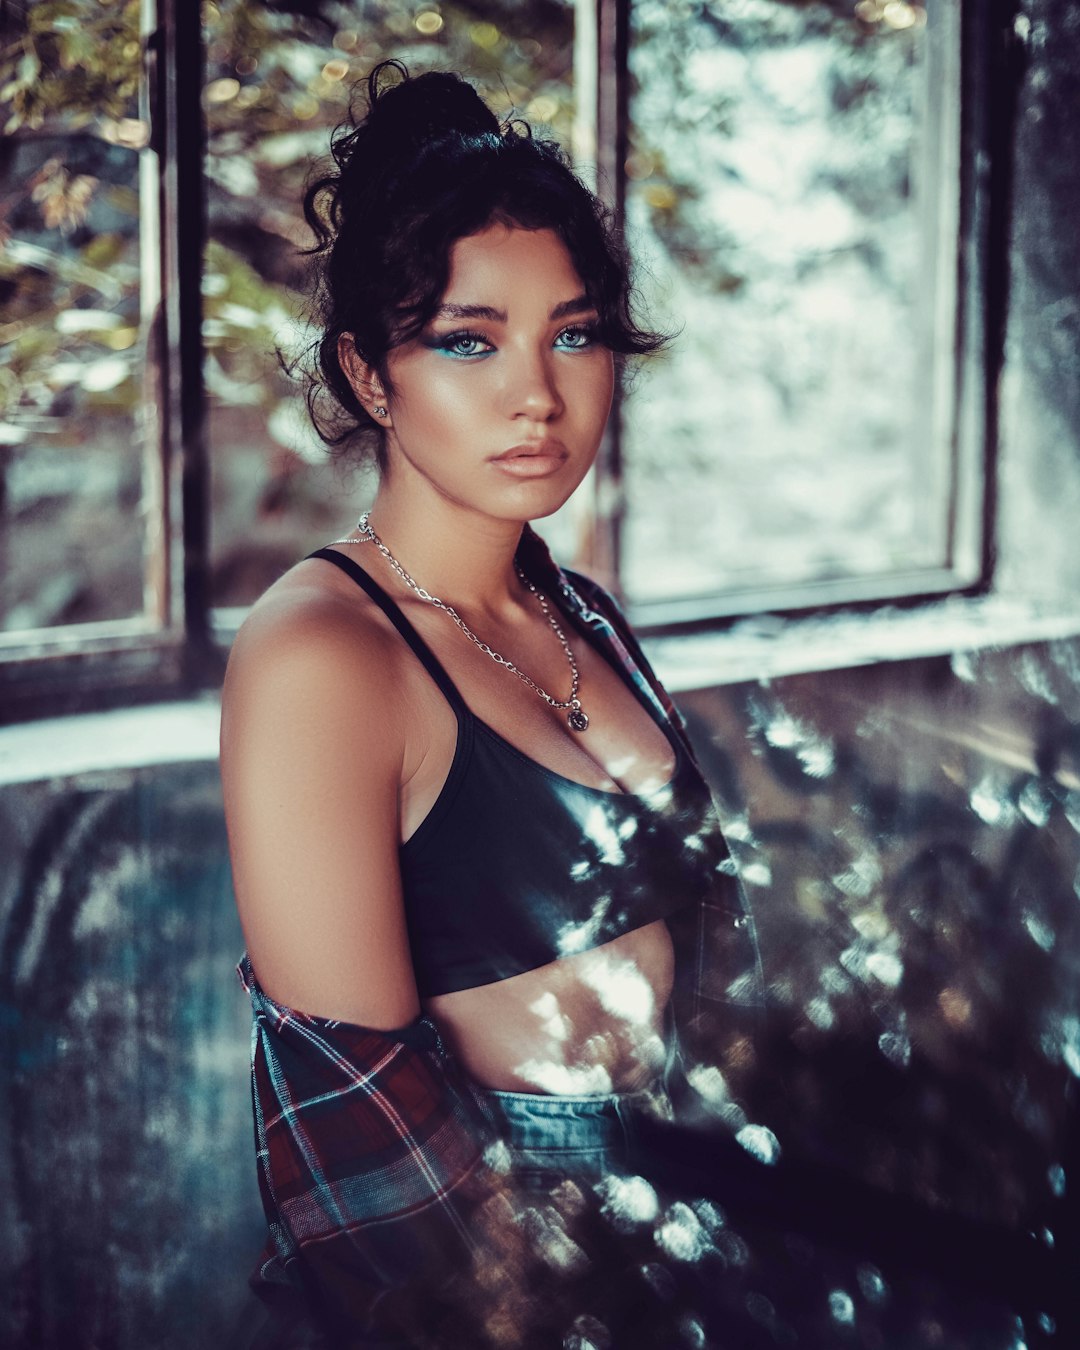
(72, 336)
(277, 83)
(780, 198)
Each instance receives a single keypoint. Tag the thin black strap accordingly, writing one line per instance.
(389, 607)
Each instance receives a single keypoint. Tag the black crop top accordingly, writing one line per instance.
(516, 866)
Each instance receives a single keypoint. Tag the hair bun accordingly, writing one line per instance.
(407, 116)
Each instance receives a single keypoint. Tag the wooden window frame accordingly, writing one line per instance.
(177, 647)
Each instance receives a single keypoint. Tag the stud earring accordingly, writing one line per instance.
(379, 410)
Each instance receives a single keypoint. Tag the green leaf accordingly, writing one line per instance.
(29, 68)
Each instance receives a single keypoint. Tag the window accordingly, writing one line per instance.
(276, 81)
(793, 189)
(79, 183)
(792, 186)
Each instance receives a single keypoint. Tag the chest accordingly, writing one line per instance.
(624, 748)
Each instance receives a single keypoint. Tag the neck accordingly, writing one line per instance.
(463, 557)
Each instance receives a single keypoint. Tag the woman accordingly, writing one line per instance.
(467, 833)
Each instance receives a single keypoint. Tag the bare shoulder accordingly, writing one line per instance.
(314, 647)
(308, 625)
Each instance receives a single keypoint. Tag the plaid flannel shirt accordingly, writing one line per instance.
(373, 1156)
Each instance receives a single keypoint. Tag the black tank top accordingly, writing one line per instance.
(516, 866)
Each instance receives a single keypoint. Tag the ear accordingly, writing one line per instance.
(365, 382)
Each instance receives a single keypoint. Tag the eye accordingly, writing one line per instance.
(577, 338)
(463, 343)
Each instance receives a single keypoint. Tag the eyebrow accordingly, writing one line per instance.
(580, 304)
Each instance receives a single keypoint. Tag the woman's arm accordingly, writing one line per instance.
(369, 1142)
(312, 748)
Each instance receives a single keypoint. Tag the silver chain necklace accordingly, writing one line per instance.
(576, 717)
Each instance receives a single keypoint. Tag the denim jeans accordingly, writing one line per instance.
(585, 1138)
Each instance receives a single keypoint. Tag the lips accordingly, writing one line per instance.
(533, 459)
(532, 450)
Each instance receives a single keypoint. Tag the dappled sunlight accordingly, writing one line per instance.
(579, 937)
(599, 827)
(627, 1201)
(554, 1023)
(574, 1062)
(621, 987)
(565, 1080)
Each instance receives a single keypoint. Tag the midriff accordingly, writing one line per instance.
(585, 1025)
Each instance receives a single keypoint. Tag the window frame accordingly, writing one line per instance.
(168, 650)
(179, 644)
(968, 326)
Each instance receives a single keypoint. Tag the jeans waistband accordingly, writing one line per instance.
(581, 1135)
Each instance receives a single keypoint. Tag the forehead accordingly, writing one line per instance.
(504, 263)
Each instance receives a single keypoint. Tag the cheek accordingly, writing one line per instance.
(595, 387)
(435, 399)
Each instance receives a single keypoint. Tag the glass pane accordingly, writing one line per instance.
(277, 83)
(778, 204)
(72, 337)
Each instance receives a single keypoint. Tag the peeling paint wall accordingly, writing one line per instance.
(1040, 473)
(127, 1182)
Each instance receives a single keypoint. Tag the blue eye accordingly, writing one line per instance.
(462, 344)
(578, 338)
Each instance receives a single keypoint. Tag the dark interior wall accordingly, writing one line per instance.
(909, 837)
(910, 840)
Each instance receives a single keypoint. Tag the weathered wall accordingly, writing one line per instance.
(1040, 470)
(128, 1209)
(910, 839)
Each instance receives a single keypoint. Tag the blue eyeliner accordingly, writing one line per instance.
(446, 342)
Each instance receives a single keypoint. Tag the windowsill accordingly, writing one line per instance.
(766, 646)
(759, 648)
(126, 738)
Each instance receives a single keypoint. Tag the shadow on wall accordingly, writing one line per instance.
(910, 838)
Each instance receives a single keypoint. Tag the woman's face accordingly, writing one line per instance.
(500, 403)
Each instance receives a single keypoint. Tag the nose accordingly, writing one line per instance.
(533, 391)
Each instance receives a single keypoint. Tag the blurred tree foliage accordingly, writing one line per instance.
(279, 76)
(69, 62)
(70, 75)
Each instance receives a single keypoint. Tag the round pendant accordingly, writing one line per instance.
(577, 720)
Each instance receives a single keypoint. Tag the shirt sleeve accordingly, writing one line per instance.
(373, 1173)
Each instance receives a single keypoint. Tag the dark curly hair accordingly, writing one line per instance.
(426, 165)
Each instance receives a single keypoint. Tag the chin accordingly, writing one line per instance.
(538, 506)
(536, 501)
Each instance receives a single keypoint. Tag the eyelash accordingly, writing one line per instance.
(450, 340)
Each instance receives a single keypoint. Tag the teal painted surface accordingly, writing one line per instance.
(128, 1209)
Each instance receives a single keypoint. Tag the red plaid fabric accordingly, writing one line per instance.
(367, 1143)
